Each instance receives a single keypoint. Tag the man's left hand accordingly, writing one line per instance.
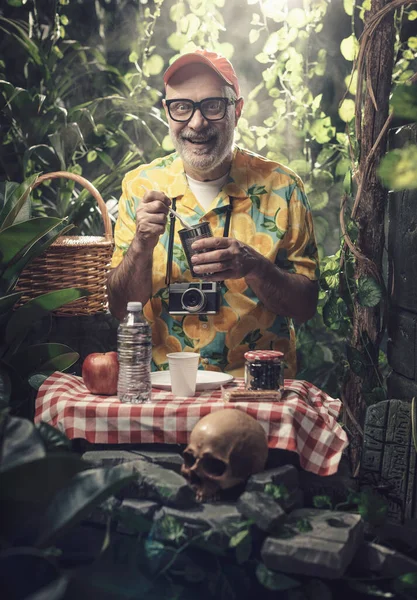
(223, 258)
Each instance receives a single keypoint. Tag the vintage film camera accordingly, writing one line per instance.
(201, 298)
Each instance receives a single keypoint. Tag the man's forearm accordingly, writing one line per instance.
(131, 281)
(288, 294)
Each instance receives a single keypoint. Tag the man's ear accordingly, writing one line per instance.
(165, 108)
(238, 109)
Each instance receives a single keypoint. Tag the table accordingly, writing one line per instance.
(304, 421)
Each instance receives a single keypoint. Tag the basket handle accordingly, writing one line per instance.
(88, 186)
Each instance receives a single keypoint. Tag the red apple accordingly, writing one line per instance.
(100, 371)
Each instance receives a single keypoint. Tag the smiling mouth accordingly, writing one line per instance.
(200, 142)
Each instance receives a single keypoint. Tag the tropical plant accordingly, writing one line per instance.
(66, 107)
(44, 491)
(20, 242)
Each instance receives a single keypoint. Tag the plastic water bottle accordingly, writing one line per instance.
(134, 347)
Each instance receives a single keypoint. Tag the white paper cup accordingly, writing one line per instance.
(183, 371)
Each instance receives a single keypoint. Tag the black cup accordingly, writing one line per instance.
(189, 236)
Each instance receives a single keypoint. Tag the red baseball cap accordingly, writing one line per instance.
(215, 61)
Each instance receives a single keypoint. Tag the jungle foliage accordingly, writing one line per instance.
(81, 91)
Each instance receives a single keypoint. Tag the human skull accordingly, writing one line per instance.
(226, 447)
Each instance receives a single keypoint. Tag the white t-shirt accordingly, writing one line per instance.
(206, 191)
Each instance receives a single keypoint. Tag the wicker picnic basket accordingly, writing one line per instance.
(72, 261)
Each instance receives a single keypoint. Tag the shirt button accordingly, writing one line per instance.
(204, 326)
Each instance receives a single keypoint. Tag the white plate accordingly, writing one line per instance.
(206, 380)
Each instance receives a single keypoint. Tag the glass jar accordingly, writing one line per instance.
(264, 370)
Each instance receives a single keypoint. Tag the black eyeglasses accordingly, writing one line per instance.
(212, 109)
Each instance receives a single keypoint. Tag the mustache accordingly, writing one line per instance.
(199, 137)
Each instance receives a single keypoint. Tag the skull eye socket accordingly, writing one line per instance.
(213, 466)
(189, 459)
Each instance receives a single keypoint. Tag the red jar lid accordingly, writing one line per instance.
(263, 355)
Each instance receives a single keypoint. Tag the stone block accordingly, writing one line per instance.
(402, 249)
(286, 476)
(389, 458)
(161, 485)
(110, 458)
(107, 458)
(266, 513)
(336, 487)
(402, 342)
(323, 548)
(222, 519)
(382, 561)
(135, 516)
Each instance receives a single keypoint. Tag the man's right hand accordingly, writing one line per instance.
(151, 218)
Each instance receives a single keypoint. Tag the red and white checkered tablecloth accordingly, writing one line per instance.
(304, 421)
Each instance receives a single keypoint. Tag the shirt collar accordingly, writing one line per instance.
(235, 186)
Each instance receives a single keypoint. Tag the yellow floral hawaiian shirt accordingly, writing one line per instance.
(270, 212)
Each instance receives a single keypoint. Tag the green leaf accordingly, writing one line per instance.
(169, 528)
(322, 130)
(15, 202)
(7, 302)
(304, 525)
(349, 47)
(318, 200)
(404, 102)
(238, 538)
(397, 169)
(322, 502)
(347, 110)
(321, 229)
(33, 310)
(75, 502)
(369, 292)
(278, 492)
(273, 580)
(154, 64)
(35, 381)
(33, 359)
(52, 438)
(27, 488)
(17, 239)
(321, 180)
(357, 361)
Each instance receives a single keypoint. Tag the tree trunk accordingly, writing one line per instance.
(370, 218)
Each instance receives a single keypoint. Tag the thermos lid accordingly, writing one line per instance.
(134, 306)
(263, 355)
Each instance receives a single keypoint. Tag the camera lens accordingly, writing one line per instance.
(193, 300)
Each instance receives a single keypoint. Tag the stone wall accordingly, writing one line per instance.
(402, 286)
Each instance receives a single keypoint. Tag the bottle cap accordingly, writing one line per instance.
(134, 306)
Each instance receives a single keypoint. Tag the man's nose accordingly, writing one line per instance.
(197, 121)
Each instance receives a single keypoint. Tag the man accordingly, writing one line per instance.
(265, 266)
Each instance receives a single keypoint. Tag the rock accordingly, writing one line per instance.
(286, 476)
(336, 487)
(322, 544)
(162, 485)
(153, 481)
(382, 561)
(135, 516)
(262, 509)
(107, 458)
(389, 458)
(181, 526)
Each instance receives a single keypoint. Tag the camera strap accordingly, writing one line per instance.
(229, 209)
